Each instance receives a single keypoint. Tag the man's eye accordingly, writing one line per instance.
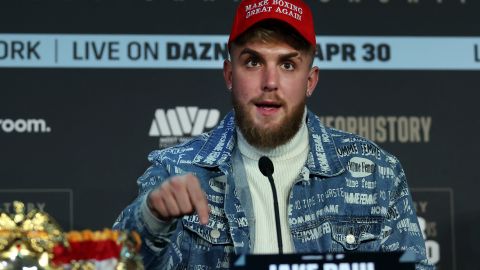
(288, 66)
(252, 63)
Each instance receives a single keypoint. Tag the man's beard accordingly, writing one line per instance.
(268, 137)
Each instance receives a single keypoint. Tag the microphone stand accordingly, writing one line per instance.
(266, 167)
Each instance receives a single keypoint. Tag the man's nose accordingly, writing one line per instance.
(270, 79)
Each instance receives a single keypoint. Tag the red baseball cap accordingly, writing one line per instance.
(293, 12)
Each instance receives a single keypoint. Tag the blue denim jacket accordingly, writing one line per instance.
(350, 196)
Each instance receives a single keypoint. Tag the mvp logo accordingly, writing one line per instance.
(183, 121)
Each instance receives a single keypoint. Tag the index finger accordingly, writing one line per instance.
(198, 200)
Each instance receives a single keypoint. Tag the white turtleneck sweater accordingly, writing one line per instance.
(288, 160)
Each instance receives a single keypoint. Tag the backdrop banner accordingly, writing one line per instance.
(90, 87)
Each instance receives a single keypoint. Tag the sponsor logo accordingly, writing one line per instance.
(383, 2)
(58, 203)
(434, 209)
(177, 125)
(384, 129)
(24, 126)
(386, 2)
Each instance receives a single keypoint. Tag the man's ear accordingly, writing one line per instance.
(227, 74)
(312, 80)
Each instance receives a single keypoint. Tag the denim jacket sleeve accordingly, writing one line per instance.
(401, 230)
(156, 235)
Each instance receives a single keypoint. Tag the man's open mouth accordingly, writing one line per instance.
(267, 105)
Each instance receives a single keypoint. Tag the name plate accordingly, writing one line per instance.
(339, 261)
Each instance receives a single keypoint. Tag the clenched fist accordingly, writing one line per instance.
(180, 195)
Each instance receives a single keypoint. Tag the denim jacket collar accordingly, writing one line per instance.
(322, 159)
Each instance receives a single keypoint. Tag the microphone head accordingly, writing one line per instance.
(266, 166)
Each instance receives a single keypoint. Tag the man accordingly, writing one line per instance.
(205, 200)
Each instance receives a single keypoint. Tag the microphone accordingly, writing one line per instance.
(266, 167)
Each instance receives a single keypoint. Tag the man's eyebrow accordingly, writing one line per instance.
(249, 51)
(291, 55)
(282, 57)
